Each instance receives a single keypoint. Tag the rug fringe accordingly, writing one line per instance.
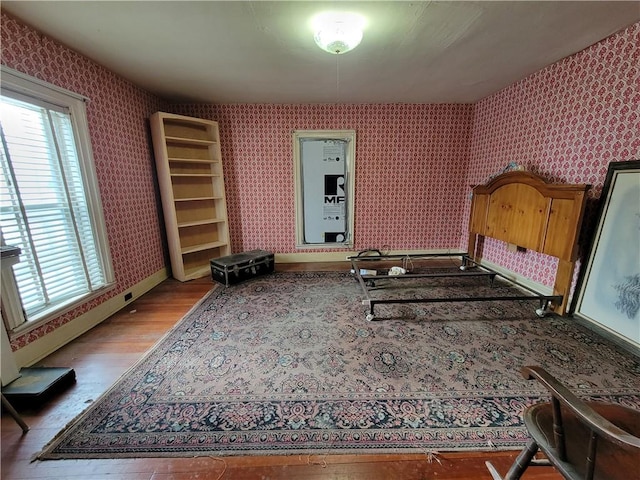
(433, 455)
(224, 465)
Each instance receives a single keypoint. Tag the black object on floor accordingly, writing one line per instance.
(36, 384)
(241, 266)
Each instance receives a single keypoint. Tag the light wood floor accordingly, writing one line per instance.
(103, 354)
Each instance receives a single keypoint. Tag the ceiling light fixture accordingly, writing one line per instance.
(338, 32)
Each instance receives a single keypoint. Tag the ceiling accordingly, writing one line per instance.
(263, 52)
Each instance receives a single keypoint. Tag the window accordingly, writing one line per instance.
(324, 182)
(49, 203)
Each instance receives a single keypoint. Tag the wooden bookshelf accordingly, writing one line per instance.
(191, 179)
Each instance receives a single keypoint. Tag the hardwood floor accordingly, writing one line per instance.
(101, 355)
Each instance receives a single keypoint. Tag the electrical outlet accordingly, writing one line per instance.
(128, 296)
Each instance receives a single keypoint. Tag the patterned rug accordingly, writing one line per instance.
(287, 364)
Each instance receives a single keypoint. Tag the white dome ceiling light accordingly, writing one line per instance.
(338, 32)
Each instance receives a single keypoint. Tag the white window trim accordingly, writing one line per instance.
(15, 81)
(350, 137)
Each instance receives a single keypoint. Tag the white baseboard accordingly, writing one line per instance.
(40, 348)
(308, 257)
(538, 287)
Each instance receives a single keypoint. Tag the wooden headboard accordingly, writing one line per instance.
(522, 209)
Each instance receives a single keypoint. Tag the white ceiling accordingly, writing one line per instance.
(263, 52)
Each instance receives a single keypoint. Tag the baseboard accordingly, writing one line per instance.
(309, 257)
(515, 277)
(44, 346)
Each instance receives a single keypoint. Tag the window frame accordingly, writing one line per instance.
(348, 136)
(21, 84)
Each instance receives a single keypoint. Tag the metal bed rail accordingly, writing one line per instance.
(366, 281)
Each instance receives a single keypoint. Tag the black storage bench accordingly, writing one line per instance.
(241, 266)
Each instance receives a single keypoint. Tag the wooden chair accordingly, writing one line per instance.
(582, 440)
(14, 414)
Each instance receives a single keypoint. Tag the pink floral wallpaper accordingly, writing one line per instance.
(411, 165)
(118, 115)
(414, 163)
(565, 123)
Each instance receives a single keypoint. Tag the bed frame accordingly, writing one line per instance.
(524, 211)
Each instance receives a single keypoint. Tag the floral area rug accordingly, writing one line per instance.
(287, 364)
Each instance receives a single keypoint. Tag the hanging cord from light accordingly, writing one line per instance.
(337, 78)
(338, 33)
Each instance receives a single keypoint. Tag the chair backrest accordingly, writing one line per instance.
(609, 437)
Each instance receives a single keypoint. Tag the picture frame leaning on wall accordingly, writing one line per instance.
(608, 290)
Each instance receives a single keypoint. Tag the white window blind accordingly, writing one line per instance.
(45, 207)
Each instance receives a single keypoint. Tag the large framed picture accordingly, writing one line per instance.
(608, 293)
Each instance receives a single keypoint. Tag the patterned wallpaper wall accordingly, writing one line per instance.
(414, 164)
(565, 123)
(117, 112)
(411, 164)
